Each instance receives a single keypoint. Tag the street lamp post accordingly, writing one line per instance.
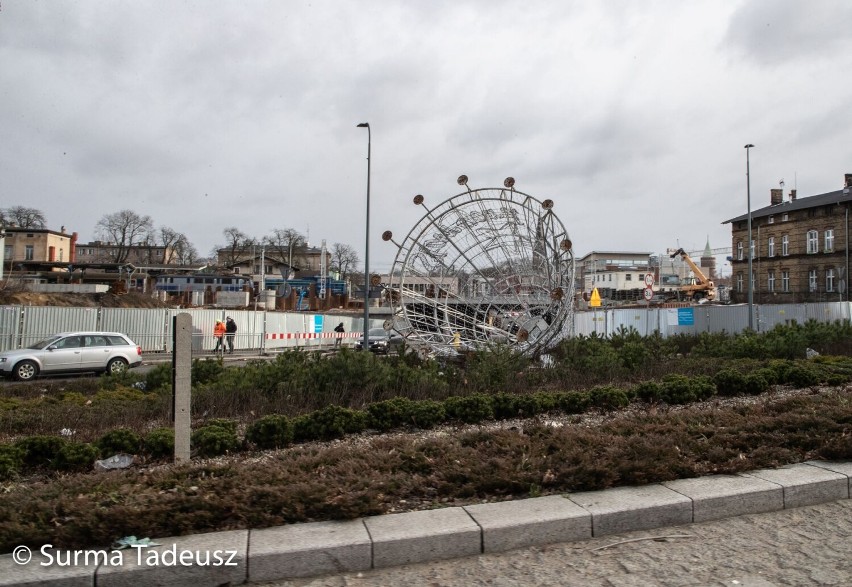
(750, 249)
(366, 344)
(2, 249)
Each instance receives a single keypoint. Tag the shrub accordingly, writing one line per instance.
(547, 400)
(120, 440)
(76, 456)
(769, 375)
(504, 405)
(494, 367)
(573, 402)
(634, 354)
(11, 460)
(469, 409)
(40, 451)
(649, 391)
(160, 443)
(680, 389)
(427, 413)
(391, 413)
(272, 431)
(211, 441)
(205, 371)
(729, 382)
(160, 377)
(608, 397)
(755, 384)
(801, 375)
(329, 423)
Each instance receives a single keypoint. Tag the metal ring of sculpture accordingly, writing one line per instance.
(490, 265)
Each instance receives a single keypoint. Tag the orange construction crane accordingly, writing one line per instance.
(703, 288)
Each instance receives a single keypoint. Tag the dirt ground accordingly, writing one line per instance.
(102, 300)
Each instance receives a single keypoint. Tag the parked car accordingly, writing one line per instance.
(72, 352)
(381, 341)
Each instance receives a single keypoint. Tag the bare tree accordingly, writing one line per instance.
(237, 247)
(168, 238)
(287, 245)
(344, 259)
(23, 217)
(184, 252)
(124, 229)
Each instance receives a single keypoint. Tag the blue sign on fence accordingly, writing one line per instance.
(685, 317)
(317, 323)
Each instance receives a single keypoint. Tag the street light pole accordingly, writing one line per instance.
(366, 344)
(3, 249)
(750, 255)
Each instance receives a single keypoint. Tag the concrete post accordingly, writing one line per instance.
(182, 384)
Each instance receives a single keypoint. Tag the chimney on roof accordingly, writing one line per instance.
(792, 195)
(847, 180)
(776, 196)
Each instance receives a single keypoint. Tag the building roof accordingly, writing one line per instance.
(617, 254)
(10, 228)
(835, 197)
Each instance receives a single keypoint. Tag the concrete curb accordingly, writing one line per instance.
(305, 550)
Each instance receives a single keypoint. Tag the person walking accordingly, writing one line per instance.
(230, 331)
(339, 330)
(219, 335)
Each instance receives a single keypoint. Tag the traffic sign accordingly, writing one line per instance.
(649, 279)
(648, 293)
(595, 300)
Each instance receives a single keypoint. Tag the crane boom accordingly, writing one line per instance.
(704, 288)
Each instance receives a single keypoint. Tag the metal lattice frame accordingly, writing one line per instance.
(487, 265)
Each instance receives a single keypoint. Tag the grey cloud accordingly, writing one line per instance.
(772, 32)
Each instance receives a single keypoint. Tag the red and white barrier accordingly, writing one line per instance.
(307, 335)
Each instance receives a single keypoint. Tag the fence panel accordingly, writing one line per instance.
(39, 322)
(261, 331)
(10, 327)
(150, 328)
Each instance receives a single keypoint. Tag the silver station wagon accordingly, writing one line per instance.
(72, 352)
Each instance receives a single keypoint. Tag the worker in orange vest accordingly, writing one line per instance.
(219, 335)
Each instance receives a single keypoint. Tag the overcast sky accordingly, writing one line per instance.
(631, 116)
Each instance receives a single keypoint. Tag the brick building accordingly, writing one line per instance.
(800, 248)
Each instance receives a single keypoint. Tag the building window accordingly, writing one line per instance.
(829, 279)
(751, 249)
(770, 249)
(771, 220)
(785, 217)
(829, 241)
(770, 281)
(812, 240)
(61, 255)
(739, 282)
(785, 281)
(812, 280)
(628, 277)
(28, 253)
(7, 252)
(739, 251)
(610, 277)
(785, 245)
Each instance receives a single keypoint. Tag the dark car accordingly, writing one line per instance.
(382, 341)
